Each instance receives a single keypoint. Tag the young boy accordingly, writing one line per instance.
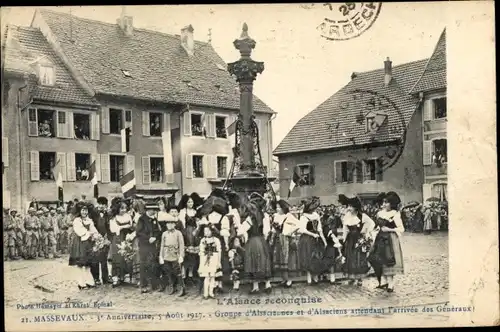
(172, 256)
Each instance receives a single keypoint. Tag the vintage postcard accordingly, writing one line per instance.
(265, 166)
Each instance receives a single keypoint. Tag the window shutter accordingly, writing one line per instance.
(105, 120)
(145, 123)
(35, 166)
(428, 109)
(146, 170)
(105, 168)
(189, 166)
(128, 120)
(95, 133)
(97, 159)
(166, 122)
(5, 151)
(32, 124)
(338, 172)
(61, 156)
(70, 167)
(426, 191)
(359, 172)
(312, 180)
(211, 166)
(70, 121)
(427, 153)
(62, 126)
(211, 132)
(187, 123)
(130, 164)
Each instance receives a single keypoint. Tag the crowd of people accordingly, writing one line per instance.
(215, 241)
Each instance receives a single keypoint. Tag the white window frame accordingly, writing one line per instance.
(163, 163)
(364, 175)
(52, 70)
(204, 160)
(308, 165)
(90, 163)
(226, 124)
(40, 165)
(162, 128)
(72, 129)
(429, 107)
(201, 113)
(118, 154)
(228, 165)
(433, 147)
(124, 115)
(434, 108)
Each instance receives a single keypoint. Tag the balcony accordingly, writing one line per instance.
(435, 170)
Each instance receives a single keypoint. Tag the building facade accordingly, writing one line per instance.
(74, 84)
(335, 150)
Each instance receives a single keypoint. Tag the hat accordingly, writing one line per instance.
(152, 207)
(39, 212)
(60, 209)
(102, 200)
(355, 203)
(31, 209)
(169, 219)
(311, 204)
(343, 200)
(44, 209)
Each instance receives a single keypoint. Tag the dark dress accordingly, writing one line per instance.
(192, 257)
(120, 266)
(356, 265)
(148, 252)
(331, 253)
(284, 252)
(81, 251)
(257, 262)
(311, 250)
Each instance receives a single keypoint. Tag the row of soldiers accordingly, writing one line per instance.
(43, 233)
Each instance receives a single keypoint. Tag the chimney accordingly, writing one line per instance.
(126, 22)
(387, 71)
(187, 40)
(354, 75)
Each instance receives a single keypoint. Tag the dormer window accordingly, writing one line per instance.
(47, 75)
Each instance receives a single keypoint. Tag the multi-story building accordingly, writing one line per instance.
(334, 149)
(431, 87)
(73, 84)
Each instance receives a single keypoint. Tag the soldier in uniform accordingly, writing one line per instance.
(41, 216)
(19, 235)
(55, 216)
(48, 234)
(63, 238)
(10, 236)
(31, 235)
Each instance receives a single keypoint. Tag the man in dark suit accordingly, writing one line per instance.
(101, 222)
(149, 234)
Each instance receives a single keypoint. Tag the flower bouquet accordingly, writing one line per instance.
(99, 243)
(126, 250)
(364, 243)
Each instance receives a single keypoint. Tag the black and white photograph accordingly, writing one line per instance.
(226, 166)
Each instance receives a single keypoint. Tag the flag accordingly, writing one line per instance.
(231, 133)
(93, 179)
(294, 182)
(125, 138)
(127, 183)
(204, 124)
(56, 171)
(231, 129)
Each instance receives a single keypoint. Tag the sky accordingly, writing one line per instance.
(302, 69)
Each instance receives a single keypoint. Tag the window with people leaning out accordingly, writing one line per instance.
(118, 119)
(81, 123)
(306, 174)
(156, 169)
(45, 121)
(439, 108)
(116, 167)
(196, 125)
(360, 171)
(155, 125)
(82, 165)
(440, 147)
(47, 162)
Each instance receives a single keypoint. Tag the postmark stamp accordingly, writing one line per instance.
(348, 20)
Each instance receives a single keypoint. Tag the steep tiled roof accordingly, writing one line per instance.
(160, 68)
(24, 48)
(434, 75)
(335, 122)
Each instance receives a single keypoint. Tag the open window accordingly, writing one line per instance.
(81, 124)
(306, 174)
(82, 165)
(440, 150)
(155, 124)
(157, 169)
(220, 127)
(46, 122)
(116, 167)
(369, 170)
(196, 124)
(47, 162)
(439, 108)
(47, 74)
(115, 121)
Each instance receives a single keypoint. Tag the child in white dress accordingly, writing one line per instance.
(210, 260)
